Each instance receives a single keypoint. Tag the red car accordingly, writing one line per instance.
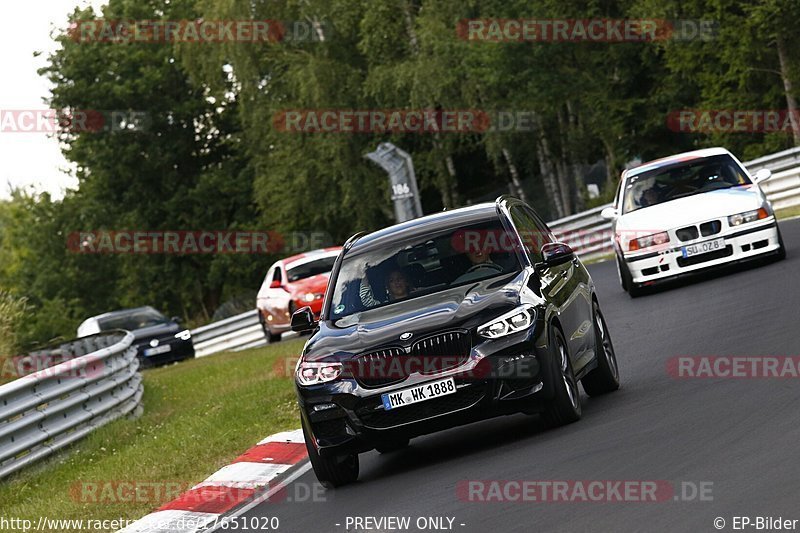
(292, 283)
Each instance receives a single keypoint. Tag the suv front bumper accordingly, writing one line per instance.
(502, 376)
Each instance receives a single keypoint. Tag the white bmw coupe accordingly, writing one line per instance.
(688, 212)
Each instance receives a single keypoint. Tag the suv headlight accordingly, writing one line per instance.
(184, 335)
(314, 373)
(648, 241)
(514, 321)
(748, 216)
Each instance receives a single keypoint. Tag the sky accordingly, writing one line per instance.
(27, 159)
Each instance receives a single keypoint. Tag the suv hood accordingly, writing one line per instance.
(464, 307)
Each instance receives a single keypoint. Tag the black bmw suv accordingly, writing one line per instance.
(444, 320)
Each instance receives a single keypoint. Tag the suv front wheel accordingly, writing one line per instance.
(332, 471)
(565, 406)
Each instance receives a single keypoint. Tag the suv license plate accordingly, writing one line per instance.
(420, 393)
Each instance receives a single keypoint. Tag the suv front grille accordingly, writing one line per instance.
(379, 368)
(445, 351)
(429, 355)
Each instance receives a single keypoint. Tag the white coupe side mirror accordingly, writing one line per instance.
(762, 175)
(609, 213)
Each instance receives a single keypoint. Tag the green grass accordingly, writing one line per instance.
(198, 416)
(788, 212)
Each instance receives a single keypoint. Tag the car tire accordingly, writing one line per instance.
(565, 406)
(604, 378)
(272, 337)
(634, 290)
(781, 255)
(622, 274)
(393, 446)
(331, 471)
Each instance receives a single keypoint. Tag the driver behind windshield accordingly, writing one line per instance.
(650, 197)
(481, 265)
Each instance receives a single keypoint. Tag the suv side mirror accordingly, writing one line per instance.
(177, 319)
(555, 253)
(303, 320)
(763, 174)
(609, 213)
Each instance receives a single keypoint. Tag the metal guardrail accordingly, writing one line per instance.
(591, 237)
(231, 334)
(95, 382)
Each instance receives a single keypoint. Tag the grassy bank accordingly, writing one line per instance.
(198, 415)
(789, 212)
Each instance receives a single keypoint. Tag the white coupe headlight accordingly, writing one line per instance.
(184, 335)
(748, 216)
(315, 373)
(515, 321)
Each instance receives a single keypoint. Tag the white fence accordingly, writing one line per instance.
(231, 334)
(95, 381)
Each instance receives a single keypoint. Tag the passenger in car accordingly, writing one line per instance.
(397, 285)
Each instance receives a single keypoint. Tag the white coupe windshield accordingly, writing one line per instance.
(682, 180)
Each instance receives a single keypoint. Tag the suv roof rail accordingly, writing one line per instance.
(352, 240)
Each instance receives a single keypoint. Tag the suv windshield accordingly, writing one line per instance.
(312, 268)
(134, 320)
(682, 180)
(422, 265)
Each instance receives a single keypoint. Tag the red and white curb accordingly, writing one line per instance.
(250, 479)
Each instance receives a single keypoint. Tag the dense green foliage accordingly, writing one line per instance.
(211, 158)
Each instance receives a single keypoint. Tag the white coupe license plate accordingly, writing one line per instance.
(703, 248)
(164, 348)
(420, 393)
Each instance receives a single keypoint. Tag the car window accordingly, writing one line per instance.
(311, 268)
(276, 276)
(133, 320)
(682, 180)
(532, 231)
(422, 265)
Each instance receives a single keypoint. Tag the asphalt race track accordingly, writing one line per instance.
(743, 435)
